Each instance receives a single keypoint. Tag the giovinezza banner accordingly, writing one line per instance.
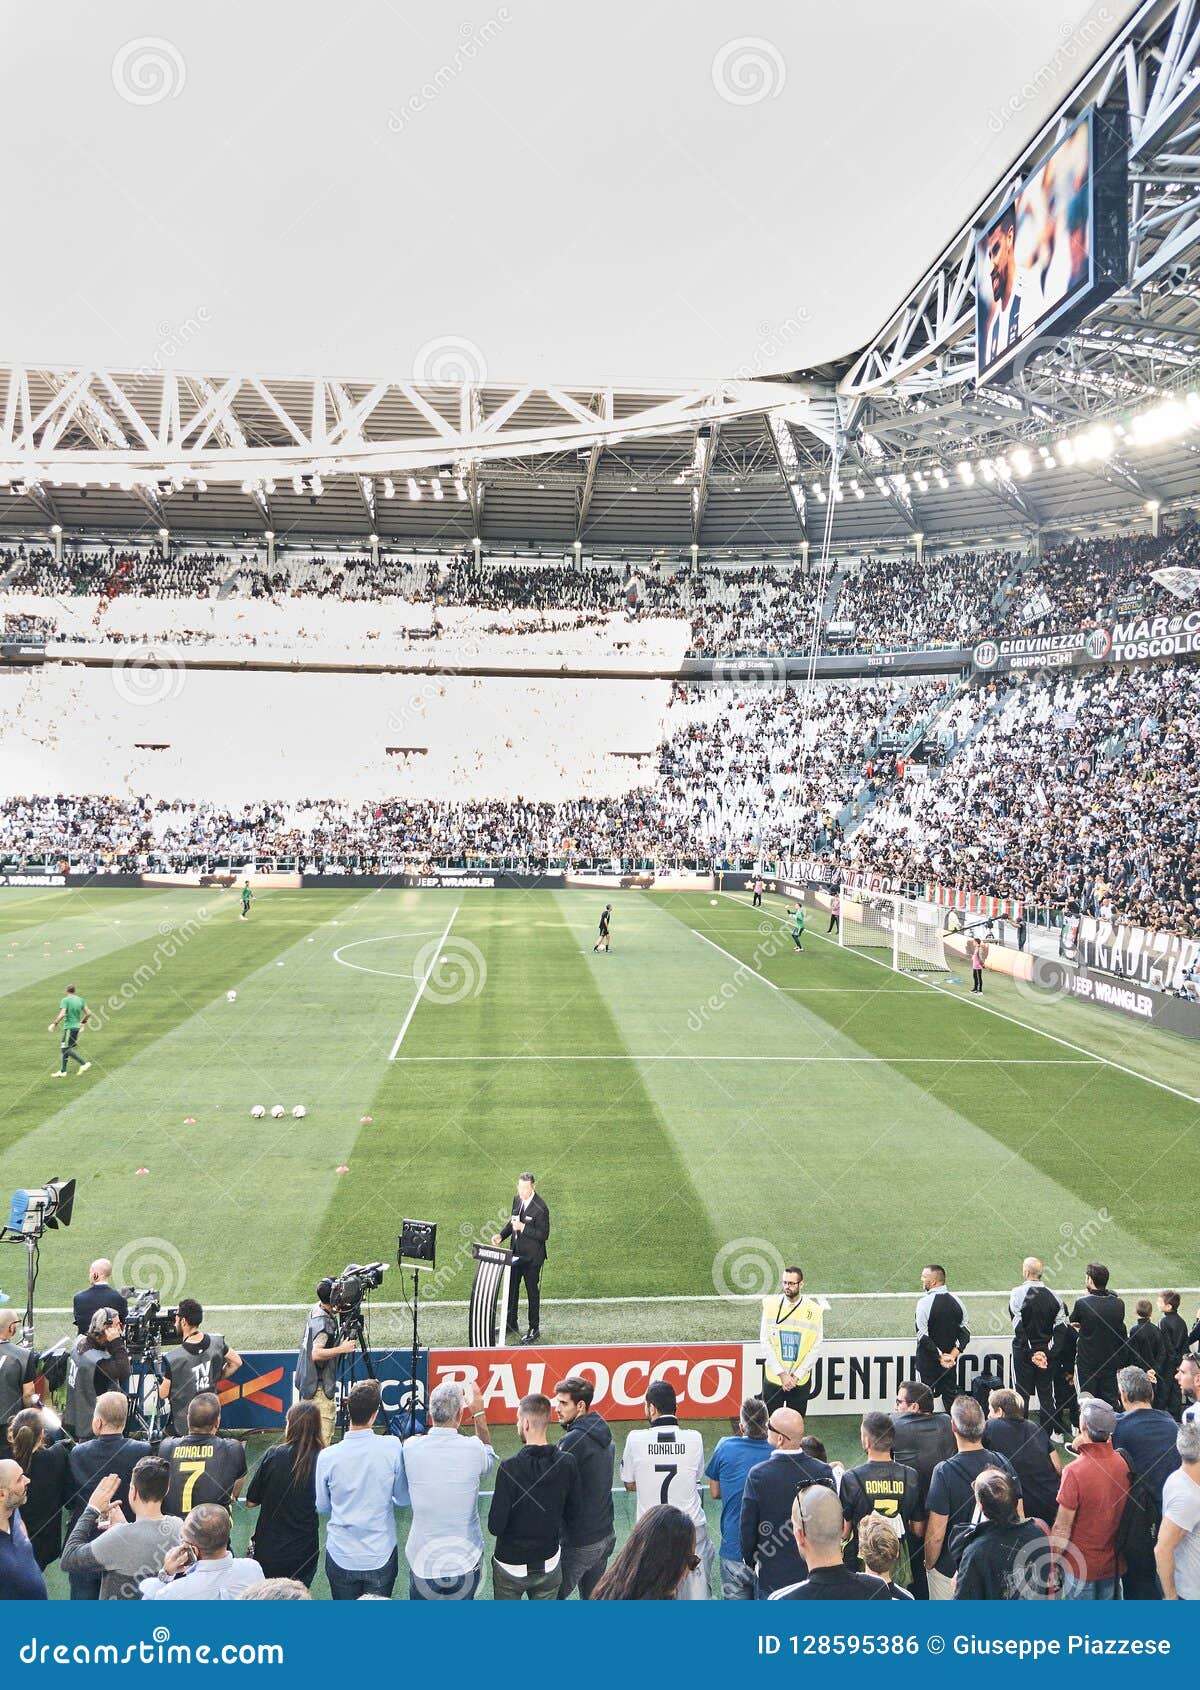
(1134, 639)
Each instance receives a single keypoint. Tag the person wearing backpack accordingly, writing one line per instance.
(1002, 1557)
(951, 1502)
(881, 1485)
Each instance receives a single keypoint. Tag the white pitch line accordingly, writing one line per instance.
(736, 961)
(890, 1061)
(412, 1008)
(1038, 1032)
(680, 1297)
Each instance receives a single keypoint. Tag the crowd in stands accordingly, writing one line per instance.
(952, 598)
(1079, 1479)
(943, 600)
(737, 773)
(1078, 790)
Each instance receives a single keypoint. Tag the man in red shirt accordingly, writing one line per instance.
(1091, 1500)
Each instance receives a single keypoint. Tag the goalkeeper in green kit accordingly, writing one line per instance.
(797, 915)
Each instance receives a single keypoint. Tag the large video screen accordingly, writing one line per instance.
(1057, 248)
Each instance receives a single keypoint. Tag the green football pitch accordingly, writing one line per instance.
(699, 1106)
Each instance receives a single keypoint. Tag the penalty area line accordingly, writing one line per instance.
(1014, 1020)
(420, 992)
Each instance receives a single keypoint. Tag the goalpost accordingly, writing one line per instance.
(905, 931)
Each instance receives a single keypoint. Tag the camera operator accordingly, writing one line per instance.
(18, 1373)
(98, 1363)
(199, 1363)
(316, 1364)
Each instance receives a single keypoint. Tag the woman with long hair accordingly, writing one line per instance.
(284, 1486)
(45, 1466)
(657, 1556)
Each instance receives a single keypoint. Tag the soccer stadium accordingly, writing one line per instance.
(599, 969)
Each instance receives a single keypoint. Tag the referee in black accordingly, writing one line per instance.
(942, 1335)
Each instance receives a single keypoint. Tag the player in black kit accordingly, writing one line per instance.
(605, 918)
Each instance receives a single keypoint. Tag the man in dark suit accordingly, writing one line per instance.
(99, 1295)
(768, 1541)
(107, 1451)
(1099, 1319)
(529, 1228)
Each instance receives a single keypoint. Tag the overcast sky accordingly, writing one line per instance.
(530, 189)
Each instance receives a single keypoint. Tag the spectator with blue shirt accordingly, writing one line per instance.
(442, 1472)
(21, 1578)
(728, 1468)
(360, 1484)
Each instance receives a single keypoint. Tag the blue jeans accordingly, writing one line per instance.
(346, 1586)
(737, 1581)
(460, 1587)
(1091, 1590)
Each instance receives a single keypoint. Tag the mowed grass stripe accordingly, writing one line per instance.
(990, 1156)
(448, 1140)
(178, 1048)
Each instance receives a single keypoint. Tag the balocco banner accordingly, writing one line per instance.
(708, 1378)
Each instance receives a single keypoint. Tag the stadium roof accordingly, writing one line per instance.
(894, 438)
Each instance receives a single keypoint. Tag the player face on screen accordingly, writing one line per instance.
(1001, 262)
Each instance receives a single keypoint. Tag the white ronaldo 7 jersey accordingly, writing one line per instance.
(666, 1464)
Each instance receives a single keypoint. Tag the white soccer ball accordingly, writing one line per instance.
(232, 996)
(299, 1111)
(278, 1111)
(712, 900)
(257, 1113)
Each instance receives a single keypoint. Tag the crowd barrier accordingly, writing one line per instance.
(850, 1376)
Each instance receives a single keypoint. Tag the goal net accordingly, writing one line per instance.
(904, 932)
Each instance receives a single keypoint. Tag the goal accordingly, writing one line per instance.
(903, 931)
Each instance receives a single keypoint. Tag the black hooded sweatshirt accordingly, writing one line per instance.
(589, 1440)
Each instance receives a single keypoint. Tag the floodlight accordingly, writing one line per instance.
(49, 1205)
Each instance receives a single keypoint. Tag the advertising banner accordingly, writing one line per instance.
(708, 1378)
(1135, 953)
(262, 1390)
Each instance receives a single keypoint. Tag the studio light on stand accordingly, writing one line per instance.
(29, 1215)
(417, 1251)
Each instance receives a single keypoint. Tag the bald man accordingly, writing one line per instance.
(18, 1373)
(99, 1295)
(817, 1529)
(1039, 1318)
(767, 1541)
(20, 1576)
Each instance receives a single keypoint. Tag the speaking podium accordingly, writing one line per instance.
(489, 1295)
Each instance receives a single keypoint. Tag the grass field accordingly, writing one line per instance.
(696, 1105)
